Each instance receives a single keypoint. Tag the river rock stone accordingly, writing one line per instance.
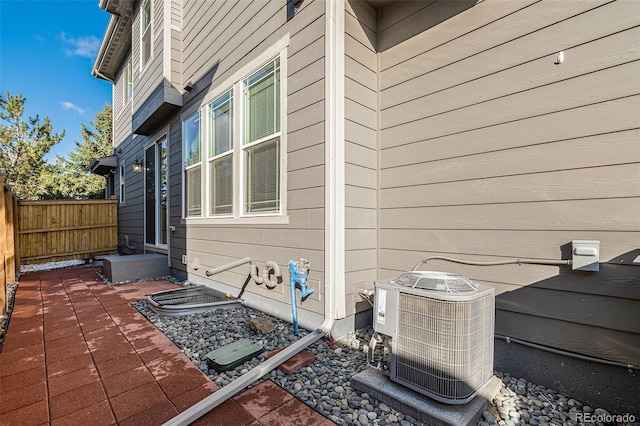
(261, 325)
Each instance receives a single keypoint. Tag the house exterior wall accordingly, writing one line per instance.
(216, 45)
(489, 151)
(361, 150)
(122, 111)
(147, 78)
(176, 43)
(462, 138)
(130, 212)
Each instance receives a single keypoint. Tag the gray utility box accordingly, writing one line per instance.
(135, 267)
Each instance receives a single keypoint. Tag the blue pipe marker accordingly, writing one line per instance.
(298, 273)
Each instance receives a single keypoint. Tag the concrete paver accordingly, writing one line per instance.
(77, 352)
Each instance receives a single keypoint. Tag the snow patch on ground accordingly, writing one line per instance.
(50, 265)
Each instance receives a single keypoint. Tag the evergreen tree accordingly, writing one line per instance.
(23, 145)
(70, 176)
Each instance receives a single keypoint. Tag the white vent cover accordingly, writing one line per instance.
(442, 331)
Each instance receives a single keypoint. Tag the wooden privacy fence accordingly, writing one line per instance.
(9, 263)
(57, 230)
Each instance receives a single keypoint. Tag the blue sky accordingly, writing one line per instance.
(47, 50)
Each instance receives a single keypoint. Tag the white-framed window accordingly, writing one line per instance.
(192, 166)
(127, 83)
(145, 32)
(220, 153)
(121, 184)
(261, 141)
(242, 143)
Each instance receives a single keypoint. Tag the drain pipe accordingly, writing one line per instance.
(270, 268)
(228, 266)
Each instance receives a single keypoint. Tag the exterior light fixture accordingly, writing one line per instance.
(137, 166)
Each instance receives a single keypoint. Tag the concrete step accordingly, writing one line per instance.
(135, 267)
(431, 412)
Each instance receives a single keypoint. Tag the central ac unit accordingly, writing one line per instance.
(441, 328)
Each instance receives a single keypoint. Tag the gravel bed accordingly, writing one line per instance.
(325, 385)
(4, 319)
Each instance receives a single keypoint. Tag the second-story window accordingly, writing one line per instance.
(145, 32)
(128, 82)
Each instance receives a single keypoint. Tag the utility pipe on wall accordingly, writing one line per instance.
(500, 262)
(265, 274)
(566, 353)
(215, 399)
(228, 266)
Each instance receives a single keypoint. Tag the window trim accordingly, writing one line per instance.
(121, 184)
(235, 83)
(127, 83)
(211, 157)
(143, 33)
(186, 168)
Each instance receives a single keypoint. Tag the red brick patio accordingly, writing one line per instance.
(77, 352)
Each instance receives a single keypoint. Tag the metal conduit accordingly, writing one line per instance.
(500, 262)
(566, 353)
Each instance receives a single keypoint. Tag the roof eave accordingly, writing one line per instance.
(116, 42)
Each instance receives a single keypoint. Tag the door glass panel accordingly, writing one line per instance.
(150, 195)
(162, 148)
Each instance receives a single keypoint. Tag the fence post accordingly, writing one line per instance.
(3, 233)
(16, 233)
(10, 254)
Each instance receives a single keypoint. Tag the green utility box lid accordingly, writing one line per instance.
(233, 354)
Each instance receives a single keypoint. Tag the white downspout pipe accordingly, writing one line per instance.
(334, 219)
(334, 185)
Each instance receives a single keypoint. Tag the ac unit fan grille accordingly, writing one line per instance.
(436, 281)
(445, 348)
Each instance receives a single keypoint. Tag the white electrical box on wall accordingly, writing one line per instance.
(585, 255)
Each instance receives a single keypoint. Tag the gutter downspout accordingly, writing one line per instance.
(334, 219)
(334, 185)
